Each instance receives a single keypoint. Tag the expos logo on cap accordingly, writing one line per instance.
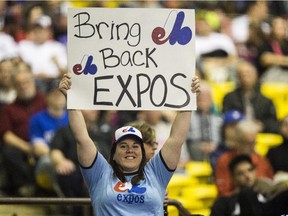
(127, 131)
(232, 116)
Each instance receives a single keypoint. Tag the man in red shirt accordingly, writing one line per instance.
(246, 133)
(16, 150)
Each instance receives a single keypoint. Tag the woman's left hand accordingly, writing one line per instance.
(195, 86)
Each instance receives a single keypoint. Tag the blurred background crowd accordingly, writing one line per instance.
(241, 57)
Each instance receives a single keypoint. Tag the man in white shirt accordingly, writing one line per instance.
(257, 12)
(47, 57)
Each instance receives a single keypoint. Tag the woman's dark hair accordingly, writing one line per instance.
(118, 172)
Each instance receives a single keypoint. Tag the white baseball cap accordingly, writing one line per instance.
(127, 131)
(44, 21)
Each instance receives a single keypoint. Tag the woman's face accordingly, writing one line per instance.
(150, 149)
(128, 154)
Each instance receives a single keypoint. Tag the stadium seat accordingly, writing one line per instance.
(178, 182)
(200, 170)
(199, 198)
(172, 211)
(219, 90)
(205, 193)
(265, 141)
(278, 93)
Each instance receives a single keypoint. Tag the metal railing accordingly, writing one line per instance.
(72, 201)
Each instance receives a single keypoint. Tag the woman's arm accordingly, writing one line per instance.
(171, 149)
(269, 58)
(86, 149)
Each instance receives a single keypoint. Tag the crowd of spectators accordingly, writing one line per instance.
(244, 42)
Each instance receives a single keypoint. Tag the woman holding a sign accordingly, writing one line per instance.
(127, 184)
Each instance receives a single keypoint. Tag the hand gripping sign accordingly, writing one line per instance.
(131, 59)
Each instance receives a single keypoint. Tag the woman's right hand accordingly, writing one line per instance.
(65, 83)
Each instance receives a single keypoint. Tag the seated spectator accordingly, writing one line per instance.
(206, 32)
(12, 21)
(279, 154)
(64, 154)
(47, 57)
(17, 151)
(248, 99)
(250, 49)
(7, 91)
(215, 52)
(9, 48)
(63, 149)
(257, 12)
(227, 140)
(245, 135)
(42, 126)
(252, 194)
(44, 123)
(204, 133)
(31, 11)
(273, 57)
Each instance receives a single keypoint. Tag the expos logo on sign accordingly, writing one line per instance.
(89, 68)
(179, 34)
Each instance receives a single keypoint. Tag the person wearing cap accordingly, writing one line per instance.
(128, 184)
(227, 142)
(150, 144)
(231, 118)
(245, 138)
(47, 57)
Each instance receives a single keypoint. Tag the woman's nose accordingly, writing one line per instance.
(130, 149)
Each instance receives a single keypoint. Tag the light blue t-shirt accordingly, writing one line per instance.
(110, 196)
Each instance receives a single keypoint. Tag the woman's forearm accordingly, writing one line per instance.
(180, 127)
(78, 125)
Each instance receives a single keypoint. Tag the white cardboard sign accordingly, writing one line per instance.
(131, 59)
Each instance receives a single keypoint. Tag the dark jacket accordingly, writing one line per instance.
(264, 108)
(278, 156)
